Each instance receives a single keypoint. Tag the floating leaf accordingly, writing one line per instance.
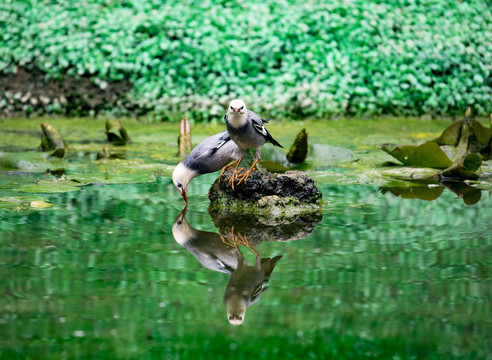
(472, 162)
(30, 161)
(50, 186)
(40, 204)
(428, 154)
(477, 136)
(51, 140)
(116, 133)
(273, 166)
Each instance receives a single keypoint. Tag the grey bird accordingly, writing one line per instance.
(207, 247)
(246, 129)
(246, 285)
(211, 155)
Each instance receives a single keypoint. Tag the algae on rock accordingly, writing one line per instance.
(279, 195)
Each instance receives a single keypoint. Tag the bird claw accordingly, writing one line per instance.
(238, 239)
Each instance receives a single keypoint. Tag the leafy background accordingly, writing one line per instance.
(287, 58)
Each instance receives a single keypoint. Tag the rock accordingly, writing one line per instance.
(277, 196)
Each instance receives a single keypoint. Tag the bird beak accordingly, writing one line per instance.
(183, 213)
(183, 194)
(236, 110)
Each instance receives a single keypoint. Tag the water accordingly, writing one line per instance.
(100, 275)
(380, 274)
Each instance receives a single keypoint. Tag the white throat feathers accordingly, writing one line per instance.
(237, 114)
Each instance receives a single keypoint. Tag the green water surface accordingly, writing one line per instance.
(99, 274)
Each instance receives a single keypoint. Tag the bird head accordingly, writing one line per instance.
(181, 179)
(236, 308)
(182, 231)
(237, 106)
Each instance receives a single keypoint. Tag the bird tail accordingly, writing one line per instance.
(272, 140)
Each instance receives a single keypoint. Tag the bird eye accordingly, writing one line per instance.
(179, 185)
(242, 107)
(232, 108)
(180, 222)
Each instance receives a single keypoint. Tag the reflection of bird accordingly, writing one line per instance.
(246, 285)
(246, 129)
(210, 155)
(207, 247)
(216, 253)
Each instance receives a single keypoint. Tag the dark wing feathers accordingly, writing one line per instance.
(258, 122)
(224, 139)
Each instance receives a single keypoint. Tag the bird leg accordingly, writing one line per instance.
(234, 173)
(226, 167)
(244, 176)
(244, 241)
(238, 239)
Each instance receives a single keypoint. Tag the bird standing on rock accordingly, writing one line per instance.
(246, 129)
(210, 155)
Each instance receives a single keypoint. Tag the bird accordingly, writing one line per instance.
(207, 247)
(211, 155)
(246, 129)
(215, 252)
(246, 285)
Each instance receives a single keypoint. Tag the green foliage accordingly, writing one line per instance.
(289, 58)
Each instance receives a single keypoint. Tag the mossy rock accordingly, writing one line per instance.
(283, 195)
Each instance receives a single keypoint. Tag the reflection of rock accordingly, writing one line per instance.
(278, 195)
(258, 228)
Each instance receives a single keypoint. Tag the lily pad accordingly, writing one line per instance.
(51, 186)
(428, 154)
(29, 161)
(472, 162)
(451, 135)
(24, 202)
(273, 166)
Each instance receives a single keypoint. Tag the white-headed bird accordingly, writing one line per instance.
(246, 129)
(246, 285)
(211, 155)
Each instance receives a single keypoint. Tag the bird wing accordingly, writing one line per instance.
(257, 123)
(222, 141)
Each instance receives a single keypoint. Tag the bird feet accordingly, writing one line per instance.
(244, 176)
(237, 238)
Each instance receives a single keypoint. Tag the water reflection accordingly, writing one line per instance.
(431, 191)
(221, 252)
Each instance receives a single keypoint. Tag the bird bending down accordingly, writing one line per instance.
(246, 129)
(210, 155)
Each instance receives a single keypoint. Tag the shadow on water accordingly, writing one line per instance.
(221, 252)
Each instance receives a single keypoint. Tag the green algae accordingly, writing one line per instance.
(342, 151)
